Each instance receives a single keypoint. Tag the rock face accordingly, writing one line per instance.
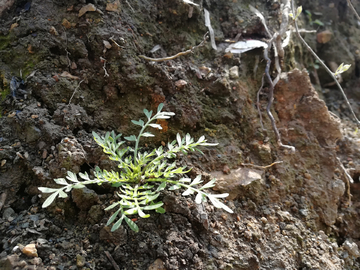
(83, 70)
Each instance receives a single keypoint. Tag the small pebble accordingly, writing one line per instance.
(30, 250)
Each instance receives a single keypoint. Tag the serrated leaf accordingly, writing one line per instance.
(155, 126)
(131, 138)
(147, 134)
(188, 192)
(62, 194)
(153, 206)
(159, 108)
(84, 176)
(131, 224)
(197, 180)
(47, 190)
(209, 184)
(61, 181)
(113, 217)
(49, 200)
(147, 113)
(139, 123)
(72, 177)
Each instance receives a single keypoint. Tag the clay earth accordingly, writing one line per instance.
(68, 68)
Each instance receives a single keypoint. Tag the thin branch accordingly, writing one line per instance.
(116, 267)
(260, 167)
(104, 66)
(130, 6)
(323, 64)
(77, 87)
(176, 55)
(353, 9)
(271, 99)
(275, 41)
(258, 102)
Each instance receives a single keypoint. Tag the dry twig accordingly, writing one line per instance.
(323, 64)
(77, 87)
(176, 55)
(260, 167)
(116, 267)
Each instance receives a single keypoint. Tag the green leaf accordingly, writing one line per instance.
(219, 204)
(117, 223)
(147, 113)
(77, 186)
(196, 181)
(111, 206)
(185, 180)
(161, 187)
(50, 199)
(131, 224)
(142, 214)
(113, 217)
(131, 138)
(97, 138)
(139, 123)
(84, 176)
(223, 195)
(188, 139)
(342, 68)
(72, 177)
(161, 116)
(153, 206)
(174, 187)
(160, 210)
(62, 194)
(178, 138)
(131, 211)
(155, 126)
(159, 108)
(47, 190)
(147, 134)
(318, 22)
(209, 184)
(188, 192)
(199, 198)
(61, 181)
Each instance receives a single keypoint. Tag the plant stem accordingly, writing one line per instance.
(323, 64)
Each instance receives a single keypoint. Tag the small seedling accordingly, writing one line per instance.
(142, 175)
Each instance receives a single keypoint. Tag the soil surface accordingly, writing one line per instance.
(68, 68)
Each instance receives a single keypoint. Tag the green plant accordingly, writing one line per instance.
(311, 22)
(142, 175)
